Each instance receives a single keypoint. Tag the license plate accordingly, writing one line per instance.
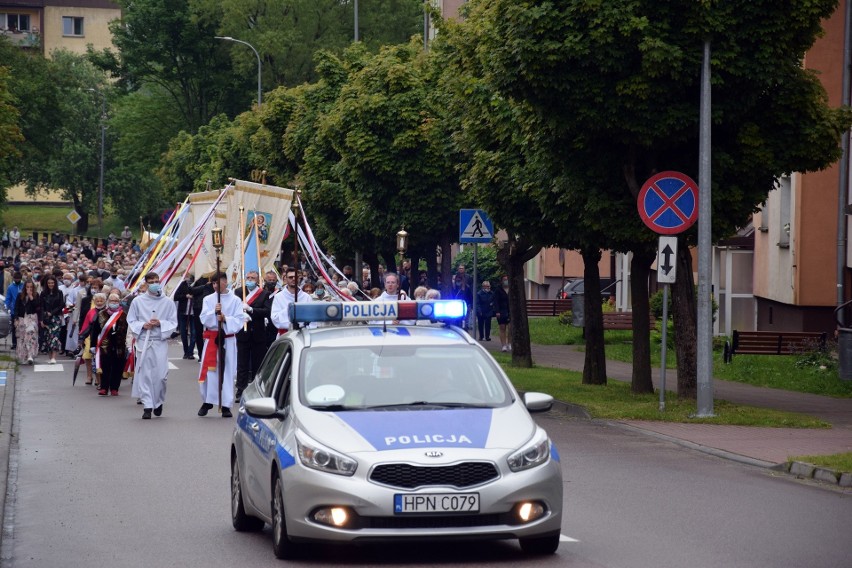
(435, 503)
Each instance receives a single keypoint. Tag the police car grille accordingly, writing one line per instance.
(460, 475)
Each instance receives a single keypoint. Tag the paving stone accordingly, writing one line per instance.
(802, 469)
(827, 475)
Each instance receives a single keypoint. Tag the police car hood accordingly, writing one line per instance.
(350, 431)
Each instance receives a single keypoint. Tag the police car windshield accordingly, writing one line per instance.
(400, 377)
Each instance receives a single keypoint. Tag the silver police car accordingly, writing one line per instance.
(376, 431)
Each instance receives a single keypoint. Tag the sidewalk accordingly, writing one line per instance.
(760, 446)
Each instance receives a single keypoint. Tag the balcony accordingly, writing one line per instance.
(23, 38)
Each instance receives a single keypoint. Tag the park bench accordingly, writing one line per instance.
(622, 320)
(773, 343)
(548, 307)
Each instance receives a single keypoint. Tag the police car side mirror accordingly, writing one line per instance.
(262, 408)
(538, 401)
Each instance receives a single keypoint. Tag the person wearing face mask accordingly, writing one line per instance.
(109, 330)
(225, 308)
(152, 319)
(320, 294)
(501, 312)
(251, 339)
(11, 297)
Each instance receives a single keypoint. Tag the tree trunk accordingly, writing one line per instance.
(684, 312)
(512, 257)
(594, 367)
(83, 224)
(640, 268)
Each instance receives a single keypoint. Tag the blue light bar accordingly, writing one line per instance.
(431, 310)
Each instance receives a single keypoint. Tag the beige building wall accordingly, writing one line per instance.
(95, 28)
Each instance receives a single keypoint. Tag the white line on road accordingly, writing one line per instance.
(172, 366)
(563, 538)
(47, 368)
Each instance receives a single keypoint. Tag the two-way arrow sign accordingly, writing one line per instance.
(667, 260)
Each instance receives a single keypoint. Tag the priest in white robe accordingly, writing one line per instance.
(152, 318)
(225, 307)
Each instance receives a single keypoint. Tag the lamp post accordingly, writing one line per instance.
(401, 246)
(101, 179)
(356, 20)
(256, 54)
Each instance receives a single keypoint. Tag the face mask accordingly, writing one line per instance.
(320, 293)
(251, 284)
(67, 282)
(505, 283)
(154, 288)
(36, 277)
(270, 285)
(113, 306)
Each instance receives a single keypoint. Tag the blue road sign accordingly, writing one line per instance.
(475, 226)
(668, 203)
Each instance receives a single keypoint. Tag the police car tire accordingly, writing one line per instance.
(282, 546)
(241, 521)
(540, 545)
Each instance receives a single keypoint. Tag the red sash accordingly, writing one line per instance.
(209, 357)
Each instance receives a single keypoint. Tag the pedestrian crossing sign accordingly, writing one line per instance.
(475, 226)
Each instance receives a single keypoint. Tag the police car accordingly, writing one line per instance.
(376, 431)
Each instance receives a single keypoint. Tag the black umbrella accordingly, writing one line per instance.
(77, 364)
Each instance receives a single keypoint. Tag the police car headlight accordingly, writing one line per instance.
(531, 455)
(317, 457)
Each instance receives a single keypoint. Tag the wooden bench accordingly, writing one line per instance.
(548, 307)
(622, 320)
(773, 343)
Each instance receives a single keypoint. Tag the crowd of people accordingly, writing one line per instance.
(69, 297)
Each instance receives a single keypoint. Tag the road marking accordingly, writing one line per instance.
(563, 538)
(56, 367)
(2, 378)
(172, 366)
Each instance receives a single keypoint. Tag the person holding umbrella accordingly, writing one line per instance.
(152, 319)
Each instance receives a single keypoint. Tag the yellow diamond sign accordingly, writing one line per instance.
(73, 217)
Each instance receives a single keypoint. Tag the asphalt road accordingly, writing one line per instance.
(98, 486)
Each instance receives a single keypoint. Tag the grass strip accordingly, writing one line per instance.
(838, 462)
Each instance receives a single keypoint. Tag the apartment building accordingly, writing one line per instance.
(48, 25)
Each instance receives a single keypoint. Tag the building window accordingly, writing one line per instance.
(784, 205)
(72, 26)
(15, 22)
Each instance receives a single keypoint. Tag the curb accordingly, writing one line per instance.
(8, 463)
(804, 470)
(701, 448)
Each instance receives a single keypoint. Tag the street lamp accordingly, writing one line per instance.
(256, 54)
(401, 246)
(101, 181)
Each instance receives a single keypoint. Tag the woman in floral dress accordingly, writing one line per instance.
(27, 310)
(52, 304)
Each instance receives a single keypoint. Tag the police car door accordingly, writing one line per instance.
(259, 449)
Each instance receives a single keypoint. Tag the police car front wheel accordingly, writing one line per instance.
(281, 544)
(540, 545)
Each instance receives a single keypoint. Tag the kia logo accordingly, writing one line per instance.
(434, 454)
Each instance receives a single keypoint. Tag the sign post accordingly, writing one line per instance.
(668, 205)
(666, 273)
(475, 227)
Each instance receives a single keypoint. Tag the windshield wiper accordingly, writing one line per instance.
(334, 407)
(422, 403)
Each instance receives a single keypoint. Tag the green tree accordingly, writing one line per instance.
(288, 33)
(10, 131)
(394, 168)
(617, 84)
(171, 44)
(70, 161)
